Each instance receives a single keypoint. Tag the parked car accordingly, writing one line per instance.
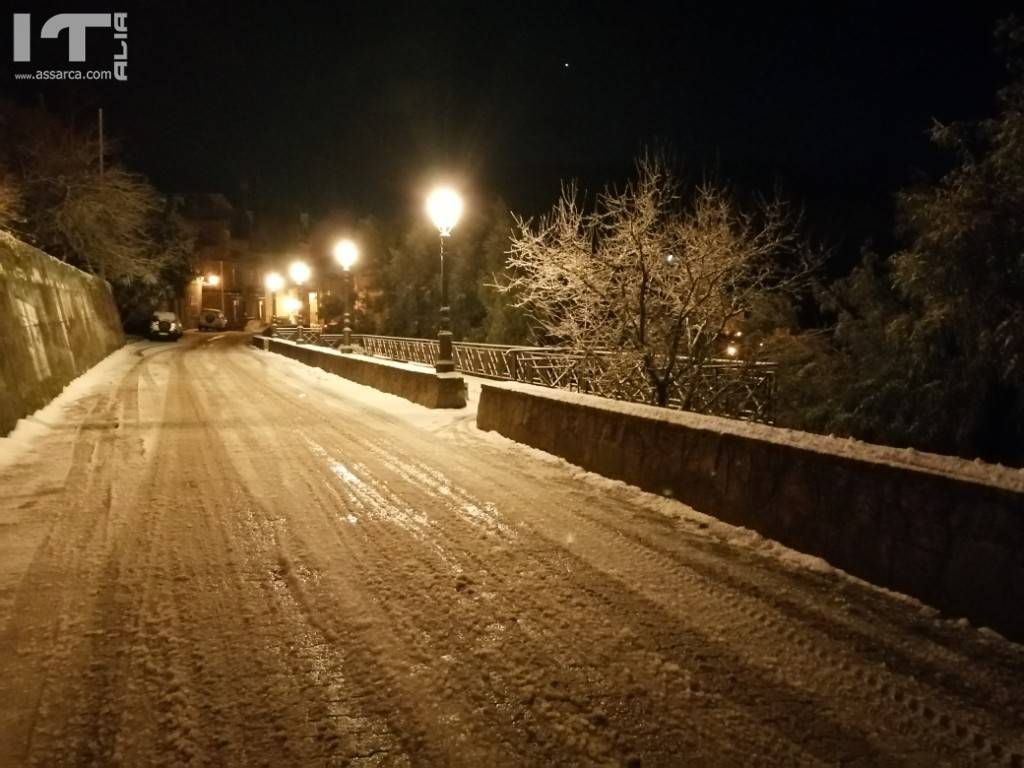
(212, 320)
(165, 325)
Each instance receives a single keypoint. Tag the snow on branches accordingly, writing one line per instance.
(652, 274)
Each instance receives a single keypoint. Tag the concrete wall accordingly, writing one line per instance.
(420, 385)
(56, 322)
(947, 531)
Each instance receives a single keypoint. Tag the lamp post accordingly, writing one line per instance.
(274, 283)
(444, 206)
(300, 273)
(346, 252)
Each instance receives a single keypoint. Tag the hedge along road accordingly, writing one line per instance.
(215, 556)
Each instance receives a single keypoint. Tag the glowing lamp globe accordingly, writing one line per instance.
(274, 282)
(299, 272)
(444, 207)
(346, 252)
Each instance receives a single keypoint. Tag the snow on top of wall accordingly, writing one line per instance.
(420, 416)
(12, 243)
(387, 362)
(976, 471)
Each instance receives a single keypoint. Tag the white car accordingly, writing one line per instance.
(212, 320)
(165, 325)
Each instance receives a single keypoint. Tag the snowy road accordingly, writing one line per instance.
(218, 557)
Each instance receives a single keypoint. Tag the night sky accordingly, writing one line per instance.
(357, 106)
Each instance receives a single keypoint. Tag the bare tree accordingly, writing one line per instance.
(10, 200)
(650, 276)
(102, 222)
(105, 223)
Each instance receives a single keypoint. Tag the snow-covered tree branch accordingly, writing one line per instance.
(652, 273)
(110, 223)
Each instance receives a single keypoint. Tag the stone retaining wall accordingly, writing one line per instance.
(946, 531)
(420, 385)
(56, 322)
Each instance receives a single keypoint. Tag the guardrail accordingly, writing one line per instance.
(299, 334)
(738, 389)
(496, 361)
(408, 350)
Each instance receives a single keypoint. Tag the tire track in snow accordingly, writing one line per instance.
(862, 679)
(967, 737)
(878, 643)
(384, 586)
(335, 726)
(312, 415)
(823, 693)
(483, 607)
(912, 706)
(552, 634)
(391, 674)
(52, 624)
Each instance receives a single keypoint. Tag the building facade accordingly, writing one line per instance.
(230, 274)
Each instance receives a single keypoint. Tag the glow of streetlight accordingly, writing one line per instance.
(274, 282)
(213, 279)
(291, 304)
(346, 252)
(732, 350)
(299, 272)
(444, 207)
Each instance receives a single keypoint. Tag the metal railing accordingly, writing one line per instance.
(493, 361)
(737, 389)
(399, 348)
(332, 340)
(298, 334)
(727, 388)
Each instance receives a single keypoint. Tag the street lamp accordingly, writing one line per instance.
(444, 206)
(346, 252)
(274, 283)
(300, 273)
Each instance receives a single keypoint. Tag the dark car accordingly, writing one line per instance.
(212, 320)
(165, 325)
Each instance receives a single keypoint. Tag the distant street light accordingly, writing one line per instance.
(346, 252)
(274, 283)
(444, 206)
(300, 273)
(215, 280)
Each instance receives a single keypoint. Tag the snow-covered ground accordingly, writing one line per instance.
(60, 411)
(211, 555)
